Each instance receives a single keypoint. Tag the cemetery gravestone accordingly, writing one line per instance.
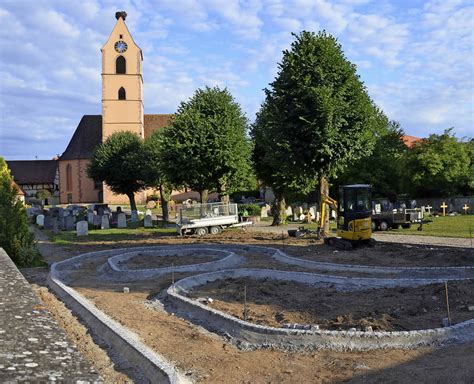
(48, 223)
(104, 222)
(55, 225)
(148, 222)
(148, 212)
(264, 212)
(82, 228)
(90, 217)
(97, 221)
(69, 223)
(121, 220)
(289, 211)
(40, 220)
(134, 218)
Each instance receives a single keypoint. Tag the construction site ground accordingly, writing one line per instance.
(206, 357)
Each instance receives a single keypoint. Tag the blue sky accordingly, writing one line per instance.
(415, 57)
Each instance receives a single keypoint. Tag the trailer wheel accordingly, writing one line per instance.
(201, 231)
(383, 225)
(214, 230)
(374, 226)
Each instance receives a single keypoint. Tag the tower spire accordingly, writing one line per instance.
(121, 14)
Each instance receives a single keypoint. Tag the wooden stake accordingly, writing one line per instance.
(245, 303)
(447, 301)
(172, 273)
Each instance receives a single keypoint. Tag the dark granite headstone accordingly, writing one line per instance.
(48, 223)
(69, 223)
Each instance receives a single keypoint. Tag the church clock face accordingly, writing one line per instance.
(120, 46)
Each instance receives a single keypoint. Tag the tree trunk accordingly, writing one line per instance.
(131, 197)
(204, 196)
(164, 198)
(324, 191)
(279, 209)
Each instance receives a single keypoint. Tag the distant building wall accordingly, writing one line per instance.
(77, 187)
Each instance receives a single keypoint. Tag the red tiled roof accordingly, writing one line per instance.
(410, 140)
(154, 122)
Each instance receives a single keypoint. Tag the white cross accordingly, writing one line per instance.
(428, 207)
(444, 206)
(466, 208)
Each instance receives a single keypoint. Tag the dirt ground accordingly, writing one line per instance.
(205, 357)
(143, 261)
(275, 303)
(388, 254)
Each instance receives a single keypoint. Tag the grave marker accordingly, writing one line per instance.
(148, 222)
(104, 224)
(82, 228)
(121, 220)
(466, 208)
(40, 220)
(443, 207)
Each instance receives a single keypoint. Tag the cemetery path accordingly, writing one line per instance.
(266, 227)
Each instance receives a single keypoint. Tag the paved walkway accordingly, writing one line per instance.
(379, 236)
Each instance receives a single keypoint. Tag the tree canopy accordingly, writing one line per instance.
(205, 148)
(15, 238)
(317, 117)
(154, 176)
(441, 165)
(119, 162)
(385, 167)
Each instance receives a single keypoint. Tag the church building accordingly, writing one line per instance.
(122, 110)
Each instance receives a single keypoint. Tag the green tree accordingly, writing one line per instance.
(119, 162)
(317, 114)
(153, 170)
(206, 148)
(440, 165)
(268, 161)
(15, 238)
(385, 167)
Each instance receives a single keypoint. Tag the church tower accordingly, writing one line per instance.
(122, 82)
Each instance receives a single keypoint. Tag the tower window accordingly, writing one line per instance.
(68, 177)
(121, 94)
(120, 65)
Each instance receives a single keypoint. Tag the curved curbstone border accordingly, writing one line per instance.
(254, 336)
(126, 343)
(446, 272)
(228, 261)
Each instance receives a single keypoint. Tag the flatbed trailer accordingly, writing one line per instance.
(212, 218)
(385, 220)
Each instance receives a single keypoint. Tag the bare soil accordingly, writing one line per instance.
(146, 261)
(205, 357)
(276, 303)
(388, 254)
(81, 337)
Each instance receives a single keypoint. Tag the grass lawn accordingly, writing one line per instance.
(443, 226)
(113, 234)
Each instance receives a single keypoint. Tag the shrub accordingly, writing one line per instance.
(250, 209)
(15, 238)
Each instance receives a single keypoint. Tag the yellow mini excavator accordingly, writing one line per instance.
(354, 213)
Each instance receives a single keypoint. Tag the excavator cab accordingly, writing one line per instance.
(354, 212)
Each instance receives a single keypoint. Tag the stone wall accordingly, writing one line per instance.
(33, 347)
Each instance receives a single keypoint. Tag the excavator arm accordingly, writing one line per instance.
(326, 203)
